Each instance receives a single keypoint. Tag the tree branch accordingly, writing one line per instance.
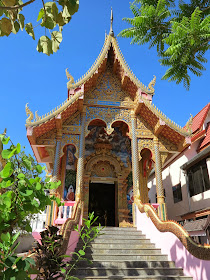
(16, 7)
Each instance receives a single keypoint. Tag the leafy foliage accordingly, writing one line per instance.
(22, 193)
(52, 17)
(49, 260)
(11, 266)
(181, 36)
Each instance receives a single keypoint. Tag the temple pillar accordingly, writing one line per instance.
(159, 182)
(143, 183)
(135, 158)
(81, 159)
(55, 177)
(86, 194)
(122, 202)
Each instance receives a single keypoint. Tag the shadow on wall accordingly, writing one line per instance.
(199, 269)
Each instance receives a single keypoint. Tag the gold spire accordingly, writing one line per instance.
(111, 24)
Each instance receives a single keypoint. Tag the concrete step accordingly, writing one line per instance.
(148, 277)
(116, 241)
(128, 271)
(119, 246)
(127, 264)
(128, 252)
(136, 235)
(123, 232)
(126, 257)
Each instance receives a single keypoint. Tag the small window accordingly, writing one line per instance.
(177, 193)
(198, 178)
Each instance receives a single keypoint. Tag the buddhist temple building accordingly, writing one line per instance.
(104, 139)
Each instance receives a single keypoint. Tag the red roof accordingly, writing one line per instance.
(199, 118)
(206, 140)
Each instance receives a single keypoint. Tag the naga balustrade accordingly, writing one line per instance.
(64, 212)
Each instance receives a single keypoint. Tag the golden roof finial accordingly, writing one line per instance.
(29, 114)
(152, 84)
(111, 24)
(70, 78)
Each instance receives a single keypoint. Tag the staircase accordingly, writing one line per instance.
(124, 253)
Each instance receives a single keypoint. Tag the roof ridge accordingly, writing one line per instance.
(166, 119)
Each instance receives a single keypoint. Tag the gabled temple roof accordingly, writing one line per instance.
(140, 94)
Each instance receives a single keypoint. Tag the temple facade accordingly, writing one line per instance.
(104, 139)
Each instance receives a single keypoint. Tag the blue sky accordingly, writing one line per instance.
(29, 76)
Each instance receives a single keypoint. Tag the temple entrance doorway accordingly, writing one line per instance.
(102, 202)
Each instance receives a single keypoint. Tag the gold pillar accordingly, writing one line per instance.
(159, 182)
(55, 177)
(135, 158)
(81, 159)
(122, 202)
(143, 184)
(86, 194)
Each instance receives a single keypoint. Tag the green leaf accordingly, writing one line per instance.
(16, 27)
(48, 22)
(30, 30)
(27, 163)
(73, 6)
(41, 14)
(63, 270)
(56, 38)
(6, 26)
(5, 140)
(28, 228)
(21, 176)
(38, 186)
(59, 20)
(15, 237)
(39, 168)
(7, 153)
(21, 19)
(5, 237)
(45, 45)
(81, 252)
(26, 193)
(7, 202)
(18, 147)
(7, 171)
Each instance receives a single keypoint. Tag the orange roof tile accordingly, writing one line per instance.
(206, 140)
(199, 118)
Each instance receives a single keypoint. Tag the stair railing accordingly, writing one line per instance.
(70, 223)
(197, 250)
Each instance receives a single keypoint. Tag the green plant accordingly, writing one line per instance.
(23, 192)
(49, 260)
(48, 254)
(179, 30)
(52, 17)
(11, 266)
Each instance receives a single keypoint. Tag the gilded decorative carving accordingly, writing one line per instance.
(29, 114)
(109, 115)
(103, 169)
(70, 139)
(164, 156)
(104, 155)
(73, 120)
(152, 84)
(48, 138)
(71, 129)
(70, 78)
(108, 88)
(51, 152)
(166, 146)
(148, 144)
